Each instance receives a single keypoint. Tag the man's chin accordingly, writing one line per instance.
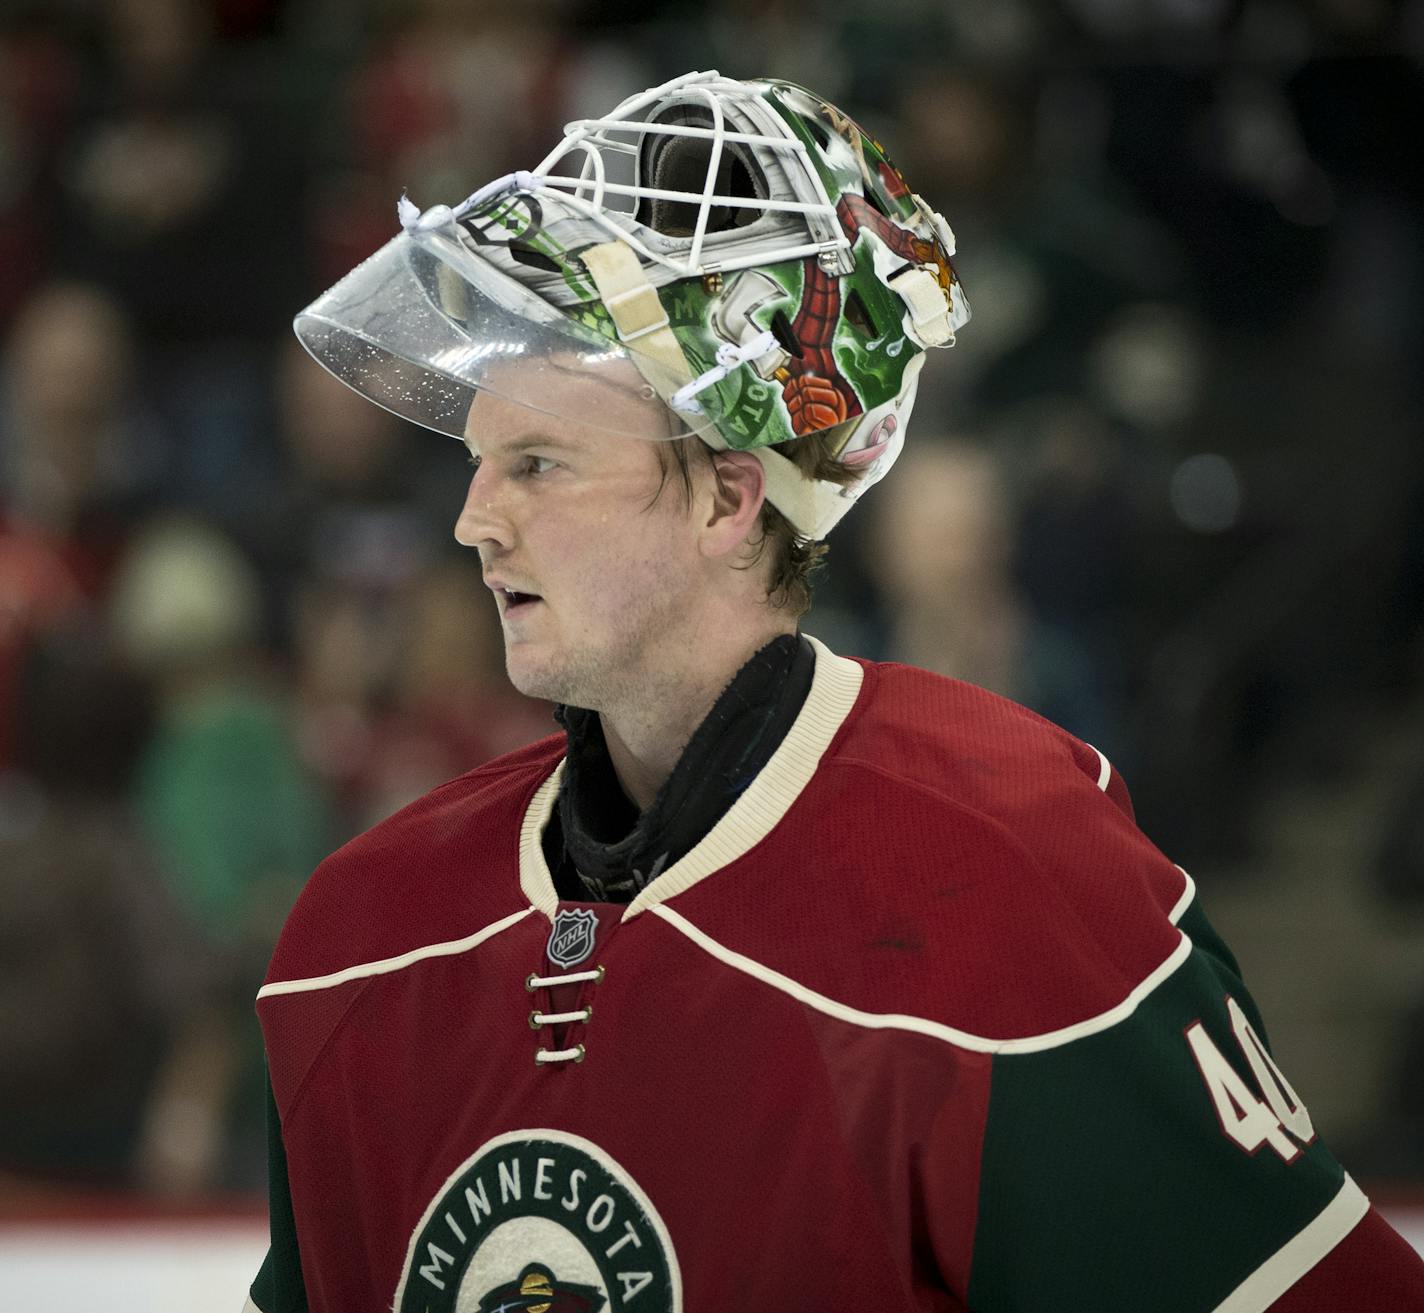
(537, 678)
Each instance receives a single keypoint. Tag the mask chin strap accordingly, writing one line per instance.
(642, 323)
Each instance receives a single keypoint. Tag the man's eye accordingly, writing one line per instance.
(538, 464)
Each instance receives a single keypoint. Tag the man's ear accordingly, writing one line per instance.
(737, 488)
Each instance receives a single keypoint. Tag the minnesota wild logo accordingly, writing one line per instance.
(540, 1291)
(544, 1222)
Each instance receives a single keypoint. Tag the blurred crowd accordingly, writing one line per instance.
(1168, 489)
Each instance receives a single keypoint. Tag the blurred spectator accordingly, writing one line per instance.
(181, 192)
(348, 530)
(396, 651)
(454, 93)
(237, 824)
(1073, 547)
(1052, 244)
(360, 496)
(749, 38)
(39, 87)
(77, 461)
(401, 693)
(183, 176)
(76, 441)
(944, 545)
(385, 721)
(96, 963)
(454, 708)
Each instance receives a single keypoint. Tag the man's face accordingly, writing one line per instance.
(596, 576)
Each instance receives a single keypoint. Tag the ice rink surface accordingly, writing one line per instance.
(192, 1266)
(131, 1267)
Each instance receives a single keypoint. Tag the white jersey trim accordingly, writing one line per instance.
(250, 1307)
(922, 1025)
(388, 964)
(1300, 1253)
(534, 878)
(1104, 769)
(835, 686)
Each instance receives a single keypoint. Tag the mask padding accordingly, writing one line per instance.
(680, 164)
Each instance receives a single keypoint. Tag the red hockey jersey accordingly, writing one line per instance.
(923, 1022)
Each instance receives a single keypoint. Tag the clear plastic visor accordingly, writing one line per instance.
(424, 326)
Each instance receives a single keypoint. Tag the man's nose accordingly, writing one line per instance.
(482, 521)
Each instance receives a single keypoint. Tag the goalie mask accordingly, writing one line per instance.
(745, 246)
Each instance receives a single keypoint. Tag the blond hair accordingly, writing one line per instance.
(794, 558)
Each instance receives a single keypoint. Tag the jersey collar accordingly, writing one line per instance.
(835, 685)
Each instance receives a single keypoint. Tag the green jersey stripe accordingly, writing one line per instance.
(1119, 1174)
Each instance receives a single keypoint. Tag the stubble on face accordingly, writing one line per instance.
(626, 625)
(609, 540)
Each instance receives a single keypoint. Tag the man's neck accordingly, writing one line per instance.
(647, 735)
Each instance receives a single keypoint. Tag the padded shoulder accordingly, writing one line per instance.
(989, 751)
(1075, 905)
(437, 870)
(956, 858)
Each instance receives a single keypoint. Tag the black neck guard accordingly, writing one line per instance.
(599, 847)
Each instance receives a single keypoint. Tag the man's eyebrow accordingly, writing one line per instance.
(527, 443)
(541, 440)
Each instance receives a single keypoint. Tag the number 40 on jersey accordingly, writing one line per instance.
(1277, 1118)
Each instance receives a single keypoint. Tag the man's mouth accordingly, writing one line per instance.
(515, 601)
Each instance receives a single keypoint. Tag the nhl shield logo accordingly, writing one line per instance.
(571, 939)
